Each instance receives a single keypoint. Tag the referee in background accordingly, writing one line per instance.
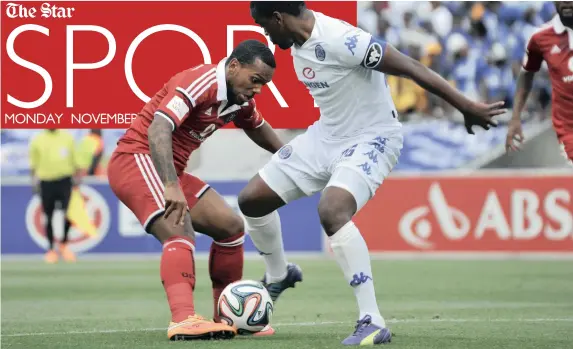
(53, 165)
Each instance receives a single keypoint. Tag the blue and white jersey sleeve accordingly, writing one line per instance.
(356, 47)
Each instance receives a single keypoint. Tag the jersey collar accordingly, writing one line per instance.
(222, 91)
(221, 81)
(560, 28)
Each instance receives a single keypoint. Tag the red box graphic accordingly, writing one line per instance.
(84, 64)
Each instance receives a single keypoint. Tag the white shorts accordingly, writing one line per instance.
(311, 162)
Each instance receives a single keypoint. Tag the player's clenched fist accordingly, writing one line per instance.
(175, 202)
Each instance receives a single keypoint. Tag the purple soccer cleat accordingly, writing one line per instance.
(366, 333)
(294, 275)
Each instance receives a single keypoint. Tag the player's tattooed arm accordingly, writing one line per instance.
(161, 147)
(265, 137)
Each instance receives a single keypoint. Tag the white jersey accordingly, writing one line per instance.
(336, 65)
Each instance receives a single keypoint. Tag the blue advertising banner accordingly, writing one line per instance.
(119, 231)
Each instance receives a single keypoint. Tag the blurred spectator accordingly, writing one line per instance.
(367, 18)
(547, 11)
(477, 45)
(480, 39)
(442, 19)
(498, 83)
(467, 68)
(386, 31)
(531, 23)
(411, 34)
(490, 18)
(510, 37)
(397, 10)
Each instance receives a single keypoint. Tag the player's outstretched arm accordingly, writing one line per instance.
(475, 113)
(161, 148)
(515, 132)
(265, 137)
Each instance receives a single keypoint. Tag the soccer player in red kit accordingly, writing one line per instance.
(146, 172)
(553, 43)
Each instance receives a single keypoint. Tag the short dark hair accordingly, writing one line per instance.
(266, 8)
(248, 51)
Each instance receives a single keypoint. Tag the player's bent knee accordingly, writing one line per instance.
(232, 233)
(348, 183)
(334, 215)
(224, 227)
(246, 203)
(257, 199)
(164, 229)
(247, 198)
(234, 226)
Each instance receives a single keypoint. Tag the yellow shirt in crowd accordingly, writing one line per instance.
(52, 155)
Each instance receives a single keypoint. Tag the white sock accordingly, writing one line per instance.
(266, 234)
(353, 257)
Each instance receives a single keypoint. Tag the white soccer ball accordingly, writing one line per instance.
(246, 305)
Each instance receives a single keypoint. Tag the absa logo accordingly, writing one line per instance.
(416, 230)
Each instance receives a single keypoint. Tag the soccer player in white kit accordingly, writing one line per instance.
(346, 154)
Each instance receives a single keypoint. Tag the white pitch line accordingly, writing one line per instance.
(297, 324)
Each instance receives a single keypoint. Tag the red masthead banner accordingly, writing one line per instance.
(91, 64)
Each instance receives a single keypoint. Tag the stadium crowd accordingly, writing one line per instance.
(477, 46)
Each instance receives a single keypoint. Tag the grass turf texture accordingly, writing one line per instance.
(428, 304)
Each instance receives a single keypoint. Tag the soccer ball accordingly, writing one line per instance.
(246, 305)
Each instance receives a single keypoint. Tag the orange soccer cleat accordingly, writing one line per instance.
(67, 254)
(51, 257)
(196, 327)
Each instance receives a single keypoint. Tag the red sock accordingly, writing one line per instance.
(177, 272)
(225, 265)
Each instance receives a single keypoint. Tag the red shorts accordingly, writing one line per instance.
(135, 182)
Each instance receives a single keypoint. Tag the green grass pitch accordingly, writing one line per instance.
(428, 304)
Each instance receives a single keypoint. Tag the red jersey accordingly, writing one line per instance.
(195, 103)
(554, 44)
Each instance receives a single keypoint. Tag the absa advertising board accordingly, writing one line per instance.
(512, 213)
